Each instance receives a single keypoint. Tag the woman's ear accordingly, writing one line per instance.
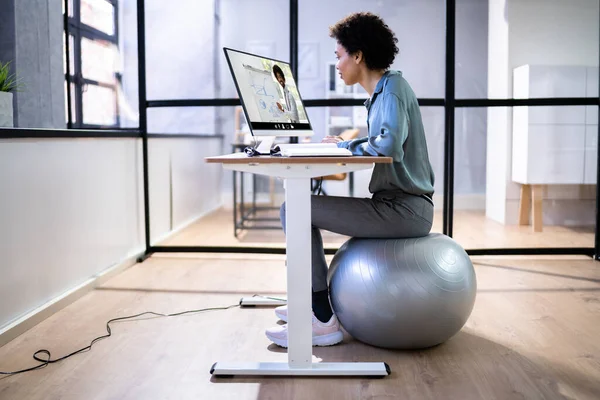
(358, 56)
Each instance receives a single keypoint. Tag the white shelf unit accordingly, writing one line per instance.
(553, 145)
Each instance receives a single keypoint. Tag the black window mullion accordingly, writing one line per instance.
(294, 47)
(116, 20)
(86, 81)
(448, 207)
(77, 11)
(95, 34)
(294, 38)
(118, 76)
(78, 80)
(68, 71)
(597, 231)
(74, 31)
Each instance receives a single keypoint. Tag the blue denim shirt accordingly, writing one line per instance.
(395, 130)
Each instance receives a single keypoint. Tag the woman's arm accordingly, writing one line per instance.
(387, 138)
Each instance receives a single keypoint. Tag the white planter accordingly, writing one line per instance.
(6, 109)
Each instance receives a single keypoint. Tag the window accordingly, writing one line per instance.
(93, 63)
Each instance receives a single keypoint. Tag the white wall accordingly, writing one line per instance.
(542, 32)
(69, 210)
(73, 208)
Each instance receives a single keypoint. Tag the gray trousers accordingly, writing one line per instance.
(388, 214)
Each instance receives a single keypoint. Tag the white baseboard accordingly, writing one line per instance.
(34, 317)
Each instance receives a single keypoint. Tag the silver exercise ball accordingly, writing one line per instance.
(402, 293)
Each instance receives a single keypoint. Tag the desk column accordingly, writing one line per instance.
(299, 285)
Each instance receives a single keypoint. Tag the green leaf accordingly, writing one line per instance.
(9, 82)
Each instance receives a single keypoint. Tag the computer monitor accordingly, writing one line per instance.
(269, 96)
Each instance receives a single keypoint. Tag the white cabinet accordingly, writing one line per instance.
(555, 145)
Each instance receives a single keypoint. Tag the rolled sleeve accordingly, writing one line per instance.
(387, 133)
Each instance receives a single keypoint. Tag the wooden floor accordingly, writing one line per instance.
(471, 229)
(534, 334)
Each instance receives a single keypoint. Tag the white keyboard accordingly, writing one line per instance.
(313, 150)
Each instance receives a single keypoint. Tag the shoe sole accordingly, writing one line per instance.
(281, 316)
(321, 341)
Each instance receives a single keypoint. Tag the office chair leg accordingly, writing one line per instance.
(316, 187)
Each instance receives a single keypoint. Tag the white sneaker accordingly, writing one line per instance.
(323, 333)
(281, 313)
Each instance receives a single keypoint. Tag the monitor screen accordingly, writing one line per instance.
(269, 95)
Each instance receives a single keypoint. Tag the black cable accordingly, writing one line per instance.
(48, 360)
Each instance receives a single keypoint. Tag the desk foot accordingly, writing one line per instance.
(362, 369)
(260, 301)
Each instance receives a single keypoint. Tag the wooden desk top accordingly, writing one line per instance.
(242, 158)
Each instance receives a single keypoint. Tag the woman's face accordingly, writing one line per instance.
(346, 65)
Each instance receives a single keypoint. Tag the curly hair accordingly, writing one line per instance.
(278, 70)
(366, 32)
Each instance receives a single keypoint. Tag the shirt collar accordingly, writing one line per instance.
(381, 83)
(378, 88)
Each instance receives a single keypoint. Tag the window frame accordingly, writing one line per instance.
(78, 30)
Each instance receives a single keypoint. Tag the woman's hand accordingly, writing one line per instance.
(332, 139)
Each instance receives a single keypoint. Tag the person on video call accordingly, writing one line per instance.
(401, 204)
(290, 109)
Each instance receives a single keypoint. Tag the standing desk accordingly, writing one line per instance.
(297, 173)
(250, 214)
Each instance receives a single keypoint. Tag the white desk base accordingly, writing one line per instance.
(299, 286)
(364, 369)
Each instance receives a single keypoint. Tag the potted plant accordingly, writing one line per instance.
(8, 85)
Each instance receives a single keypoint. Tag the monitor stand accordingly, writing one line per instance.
(264, 148)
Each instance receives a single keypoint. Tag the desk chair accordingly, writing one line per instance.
(316, 183)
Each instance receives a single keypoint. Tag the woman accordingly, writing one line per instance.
(401, 205)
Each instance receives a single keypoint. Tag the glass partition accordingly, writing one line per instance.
(499, 201)
(419, 25)
(551, 44)
(247, 213)
(525, 177)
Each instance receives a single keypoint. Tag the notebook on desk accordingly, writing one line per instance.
(310, 150)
